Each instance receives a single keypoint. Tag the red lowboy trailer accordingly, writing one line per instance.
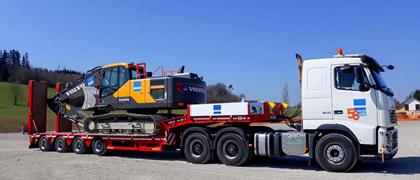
(197, 134)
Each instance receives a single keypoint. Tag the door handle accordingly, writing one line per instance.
(338, 111)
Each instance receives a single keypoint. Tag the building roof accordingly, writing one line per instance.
(409, 100)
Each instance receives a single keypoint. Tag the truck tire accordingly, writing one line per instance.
(79, 146)
(44, 144)
(60, 144)
(335, 152)
(99, 147)
(197, 148)
(232, 149)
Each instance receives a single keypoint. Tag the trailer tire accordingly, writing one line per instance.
(197, 148)
(79, 146)
(336, 153)
(44, 144)
(99, 147)
(60, 144)
(232, 149)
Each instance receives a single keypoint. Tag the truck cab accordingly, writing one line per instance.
(347, 94)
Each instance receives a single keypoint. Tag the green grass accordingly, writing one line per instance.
(12, 116)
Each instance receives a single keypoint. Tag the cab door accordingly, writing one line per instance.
(111, 82)
(123, 93)
(353, 105)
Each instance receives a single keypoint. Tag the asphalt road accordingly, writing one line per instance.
(19, 162)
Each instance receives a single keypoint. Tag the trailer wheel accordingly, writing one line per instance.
(60, 144)
(232, 150)
(79, 146)
(44, 144)
(197, 148)
(99, 147)
(335, 152)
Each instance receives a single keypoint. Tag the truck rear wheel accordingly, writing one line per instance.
(232, 149)
(60, 144)
(79, 146)
(335, 152)
(197, 148)
(44, 144)
(99, 147)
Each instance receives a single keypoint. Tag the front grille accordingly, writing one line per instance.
(393, 140)
(392, 116)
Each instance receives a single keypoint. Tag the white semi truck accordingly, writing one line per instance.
(348, 113)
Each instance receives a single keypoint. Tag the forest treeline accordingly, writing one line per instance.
(15, 67)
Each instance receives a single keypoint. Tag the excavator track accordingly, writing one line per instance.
(123, 124)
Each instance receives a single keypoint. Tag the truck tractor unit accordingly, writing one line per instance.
(347, 115)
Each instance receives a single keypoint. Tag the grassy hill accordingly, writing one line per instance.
(12, 116)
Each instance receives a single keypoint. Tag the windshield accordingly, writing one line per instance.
(380, 82)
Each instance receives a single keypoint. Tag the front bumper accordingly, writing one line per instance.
(387, 142)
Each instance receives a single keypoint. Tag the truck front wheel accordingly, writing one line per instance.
(335, 152)
(232, 149)
(197, 148)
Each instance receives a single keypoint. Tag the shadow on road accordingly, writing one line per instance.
(398, 165)
(166, 155)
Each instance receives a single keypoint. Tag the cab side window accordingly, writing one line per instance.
(122, 78)
(112, 80)
(345, 78)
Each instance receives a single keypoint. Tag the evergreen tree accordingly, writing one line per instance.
(4, 72)
(416, 94)
(15, 57)
(5, 56)
(25, 61)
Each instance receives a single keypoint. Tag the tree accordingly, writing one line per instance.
(14, 56)
(398, 104)
(219, 93)
(416, 94)
(25, 61)
(15, 92)
(4, 72)
(5, 56)
(285, 94)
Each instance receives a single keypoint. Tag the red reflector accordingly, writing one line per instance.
(181, 104)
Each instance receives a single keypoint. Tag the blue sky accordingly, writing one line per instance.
(250, 44)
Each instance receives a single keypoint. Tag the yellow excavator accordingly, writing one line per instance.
(125, 98)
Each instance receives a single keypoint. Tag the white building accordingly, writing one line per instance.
(411, 104)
